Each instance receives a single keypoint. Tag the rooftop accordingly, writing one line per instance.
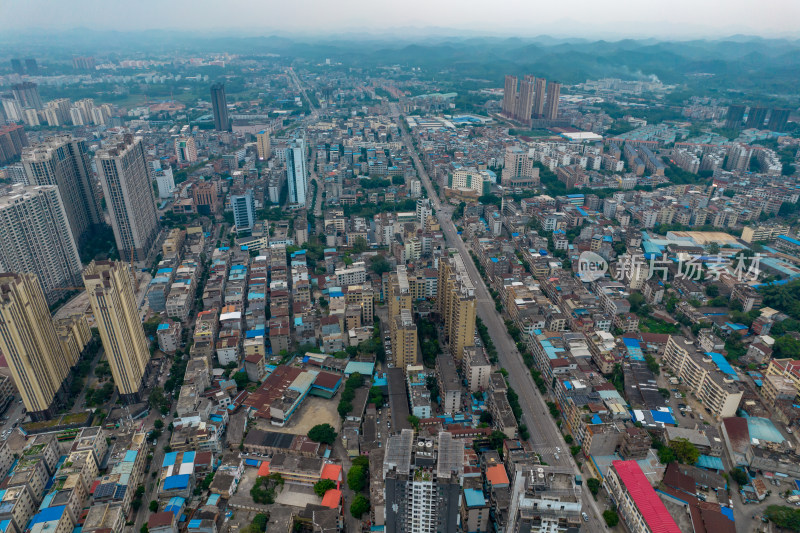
(650, 506)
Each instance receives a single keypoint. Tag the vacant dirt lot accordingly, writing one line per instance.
(297, 496)
(313, 411)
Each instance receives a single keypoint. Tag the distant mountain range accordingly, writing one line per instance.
(768, 67)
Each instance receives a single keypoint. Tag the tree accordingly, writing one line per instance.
(652, 364)
(322, 486)
(153, 506)
(783, 516)
(344, 408)
(739, 476)
(324, 433)
(685, 451)
(379, 265)
(158, 424)
(611, 517)
(259, 524)
(786, 346)
(636, 300)
(362, 461)
(414, 421)
(360, 245)
(666, 455)
(241, 379)
(356, 478)
(376, 396)
(359, 506)
(594, 485)
(712, 291)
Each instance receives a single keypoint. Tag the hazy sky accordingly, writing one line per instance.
(575, 18)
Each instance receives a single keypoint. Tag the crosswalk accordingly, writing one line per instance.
(548, 451)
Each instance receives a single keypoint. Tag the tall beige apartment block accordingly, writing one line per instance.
(510, 96)
(551, 105)
(111, 294)
(262, 145)
(525, 100)
(29, 341)
(456, 303)
(402, 329)
(185, 150)
(539, 85)
(404, 340)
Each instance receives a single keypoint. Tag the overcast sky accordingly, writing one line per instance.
(563, 18)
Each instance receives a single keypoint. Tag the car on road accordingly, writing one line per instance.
(585, 517)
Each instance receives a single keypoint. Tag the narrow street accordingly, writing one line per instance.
(150, 482)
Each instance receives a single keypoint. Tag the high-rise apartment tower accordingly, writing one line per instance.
(455, 299)
(525, 100)
(734, 119)
(263, 145)
(538, 97)
(423, 479)
(64, 162)
(296, 173)
(756, 117)
(219, 106)
(27, 94)
(110, 290)
(35, 237)
(128, 191)
(551, 105)
(29, 341)
(510, 96)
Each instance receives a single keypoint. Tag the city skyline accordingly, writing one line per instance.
(773, 18)
(457, 280)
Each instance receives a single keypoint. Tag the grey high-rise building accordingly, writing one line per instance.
(423, 479)
(296, 174)
(64, 162)
(125, 178)
(244, 210)
(538, 98)
(16, 66)
(31, 66)
(756, 117)
(778, 119)
(734, 119)
(551, 105)
(27, 95)
(35, 237)
(219, 105)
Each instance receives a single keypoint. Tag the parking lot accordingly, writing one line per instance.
(14, 415)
